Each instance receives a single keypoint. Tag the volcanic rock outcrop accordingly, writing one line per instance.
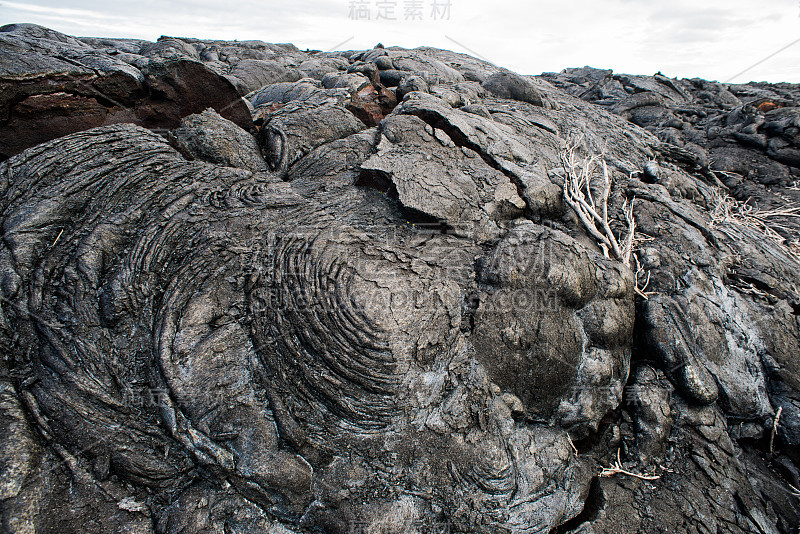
(247, 289)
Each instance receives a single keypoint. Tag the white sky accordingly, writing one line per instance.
(711, 39)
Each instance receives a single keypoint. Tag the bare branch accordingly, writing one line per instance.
(617, 469)
(639, 274)
(728, 211)
(593, 212)
(627, 248)
(775, 430)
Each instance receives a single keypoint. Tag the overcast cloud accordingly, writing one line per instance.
(713, 39)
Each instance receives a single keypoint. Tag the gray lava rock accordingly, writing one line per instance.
(251, 74)
(295, 129)
(53, 85)
(209, 137)
(291, 321)
(652, 171)
(433, 176)
(507, 84)
(410, 84)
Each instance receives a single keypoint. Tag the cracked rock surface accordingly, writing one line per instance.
(246, 288)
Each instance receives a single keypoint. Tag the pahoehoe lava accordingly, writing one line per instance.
(247, 288)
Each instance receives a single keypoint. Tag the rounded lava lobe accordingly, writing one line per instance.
(540, 314)
(533, 352)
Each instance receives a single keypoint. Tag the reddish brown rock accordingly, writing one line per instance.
(40, 118)
(183, 87)
(53, 85)
(371, 104)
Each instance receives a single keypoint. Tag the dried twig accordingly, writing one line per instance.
(639, 274)
(775, 429)
(617, 469)
(727, 210)
(726, 173)
(57, 238)
(593, 212)
(572, 444)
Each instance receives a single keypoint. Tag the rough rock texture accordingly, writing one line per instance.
(209, 137)
(365, 307)
(53, 84)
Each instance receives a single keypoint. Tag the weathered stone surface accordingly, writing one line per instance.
(433, 176)
(209, 137)
(509, 85)
(250, 74)
(295, 129)
(370, 309)
(52, 85)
